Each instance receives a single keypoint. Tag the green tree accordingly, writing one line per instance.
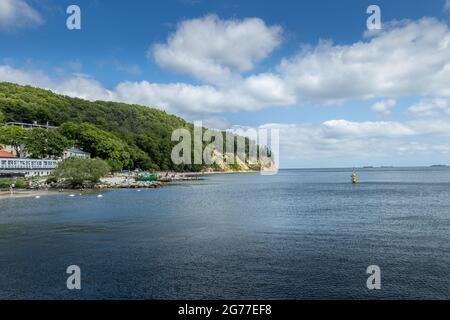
(43, 143)
(122, 125)
(99, 143)
(2, 118)
(139, 159)
(77, 171)
(16, 137)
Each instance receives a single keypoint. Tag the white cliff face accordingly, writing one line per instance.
(221, 163)
(242, 164)
(267, 164)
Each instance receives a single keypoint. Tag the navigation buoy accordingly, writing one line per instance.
(354, 178)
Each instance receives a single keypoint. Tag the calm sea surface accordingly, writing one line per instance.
(299, 234)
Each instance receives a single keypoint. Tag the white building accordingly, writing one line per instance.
(27, 167)
(77, 153)
(10, 165)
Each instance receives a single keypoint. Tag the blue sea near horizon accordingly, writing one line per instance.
(301, 234)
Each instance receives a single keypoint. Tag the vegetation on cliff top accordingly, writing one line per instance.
(126, 136)
(143, 130)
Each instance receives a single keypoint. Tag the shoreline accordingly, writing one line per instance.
(23, 193)
(178, 177)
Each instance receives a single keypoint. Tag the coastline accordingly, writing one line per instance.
(23, 193)
(116, 183)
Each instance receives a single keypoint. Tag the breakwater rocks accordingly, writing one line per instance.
(129, 185)
(130, 181)
(117, 181)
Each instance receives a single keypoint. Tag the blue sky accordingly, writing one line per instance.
(338, 96)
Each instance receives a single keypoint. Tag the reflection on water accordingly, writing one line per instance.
(300, 234)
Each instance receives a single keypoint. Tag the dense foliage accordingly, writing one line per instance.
(16, 137)
(77, 171)
(5, 184)
(43, 143)
(99, 143)
(140, 134)
(126, 136)
(37, 143)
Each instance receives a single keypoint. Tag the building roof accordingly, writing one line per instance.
(76, 150)
(5, 154)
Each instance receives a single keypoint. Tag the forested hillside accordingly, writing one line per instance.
(129, 136)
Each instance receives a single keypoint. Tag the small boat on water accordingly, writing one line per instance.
(354, 178)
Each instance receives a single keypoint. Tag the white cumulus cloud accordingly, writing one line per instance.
(411, 58)
(408, 58)
(213, 49)
(18, 13)
(346, 143)
(431, 107)
(384, 106)
(344, 128)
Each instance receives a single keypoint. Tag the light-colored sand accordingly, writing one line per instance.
(26, 194)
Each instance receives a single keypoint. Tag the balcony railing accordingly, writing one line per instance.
(27, 164)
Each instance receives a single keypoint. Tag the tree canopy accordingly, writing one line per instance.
(13, 136)
(77, 171)
(126, 136)
(134, 136)
(42, 143)
(99, 143)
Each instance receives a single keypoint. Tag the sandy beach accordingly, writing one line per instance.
(26, 194)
